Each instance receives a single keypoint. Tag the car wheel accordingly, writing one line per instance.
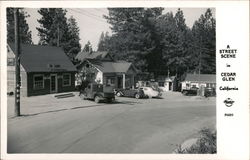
(137, 96)
(82, 96)
(119, 94)
(184, 92)
(110, 100)
(97, 99)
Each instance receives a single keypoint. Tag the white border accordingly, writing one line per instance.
(232, 27)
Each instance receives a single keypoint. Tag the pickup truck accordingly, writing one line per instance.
(98, 92)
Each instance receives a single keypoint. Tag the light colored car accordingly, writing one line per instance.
(150, 92)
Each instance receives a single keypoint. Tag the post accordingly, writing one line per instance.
(58, 36)
(199, 83)
(123, 81)
(17, 52)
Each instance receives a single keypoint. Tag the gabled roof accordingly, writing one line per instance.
(112, 67)
(38, 58)
(201, 78)
(94, 55)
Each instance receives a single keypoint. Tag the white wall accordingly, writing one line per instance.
(99, 77)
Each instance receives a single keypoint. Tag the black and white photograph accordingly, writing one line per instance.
(112, 80)
(117, 80)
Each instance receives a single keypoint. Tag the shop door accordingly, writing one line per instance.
(53, 83)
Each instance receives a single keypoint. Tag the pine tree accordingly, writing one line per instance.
(103, 42)
(87, 47)
(53, 26)
(72, 47)
(25, 33)
(204, 41)
(56, 30)
(131, 34)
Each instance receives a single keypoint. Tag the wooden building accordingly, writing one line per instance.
(99, 67)
(199, 81)
(44, 70)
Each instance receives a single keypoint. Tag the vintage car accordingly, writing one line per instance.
(98, 92)
(209, 92)
(191, 91)
(151, 92)
(136, 93)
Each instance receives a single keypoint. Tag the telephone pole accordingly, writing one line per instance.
(17, 51)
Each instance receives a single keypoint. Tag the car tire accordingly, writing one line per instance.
(97, 99)
(185, 93)
(119, 94)
(137, 96)
(82, 96)
(110, 100)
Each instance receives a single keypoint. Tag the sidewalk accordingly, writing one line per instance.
(46, 103)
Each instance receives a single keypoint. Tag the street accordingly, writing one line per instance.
(72, 125)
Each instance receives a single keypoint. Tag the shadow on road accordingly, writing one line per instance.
(34, 114)
(81, 107)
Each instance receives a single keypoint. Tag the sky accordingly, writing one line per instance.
(91, 22)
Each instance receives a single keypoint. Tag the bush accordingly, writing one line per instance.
(206, 144)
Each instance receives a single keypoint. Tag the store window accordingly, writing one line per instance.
(161, 84)
(110, 81)
(66, 79)
(10, 61)
(38, 82)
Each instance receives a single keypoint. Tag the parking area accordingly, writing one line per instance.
(129, 125)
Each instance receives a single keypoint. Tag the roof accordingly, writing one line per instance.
(38, 58)
(93, 55)
(111, 67)
(201, 78)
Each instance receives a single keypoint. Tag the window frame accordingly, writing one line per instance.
(69, 83)
(34, 84)
(112, 80)
(11, 62)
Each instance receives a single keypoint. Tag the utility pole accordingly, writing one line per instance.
(58, 36)
(17, 51)
(199, 84)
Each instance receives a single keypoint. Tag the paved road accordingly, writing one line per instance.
(128, 126)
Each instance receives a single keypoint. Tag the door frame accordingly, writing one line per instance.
(56, 83)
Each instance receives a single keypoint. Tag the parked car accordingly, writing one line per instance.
(150, 92)
(191, 91)
(209, 92)
(98, 92)
(136, 93)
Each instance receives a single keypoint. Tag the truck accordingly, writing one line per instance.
(98, 93)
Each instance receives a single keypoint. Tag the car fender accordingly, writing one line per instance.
(98, 94)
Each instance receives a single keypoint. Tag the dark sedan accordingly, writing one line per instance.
(136, 93)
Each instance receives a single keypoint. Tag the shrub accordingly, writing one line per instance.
(206, 144)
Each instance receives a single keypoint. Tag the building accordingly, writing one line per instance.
(44, 70)
(167, 83)
(93, 55)
(199, 80)
(99, 67)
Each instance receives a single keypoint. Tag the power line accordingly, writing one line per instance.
(91, 14)
(93, 17)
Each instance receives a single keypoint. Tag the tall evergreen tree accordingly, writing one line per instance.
(130, 34)
(103, 42)
(72, 47)
(56, 30)
(53, 26)
(204, 43)
(25, 33)
(87, 47)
